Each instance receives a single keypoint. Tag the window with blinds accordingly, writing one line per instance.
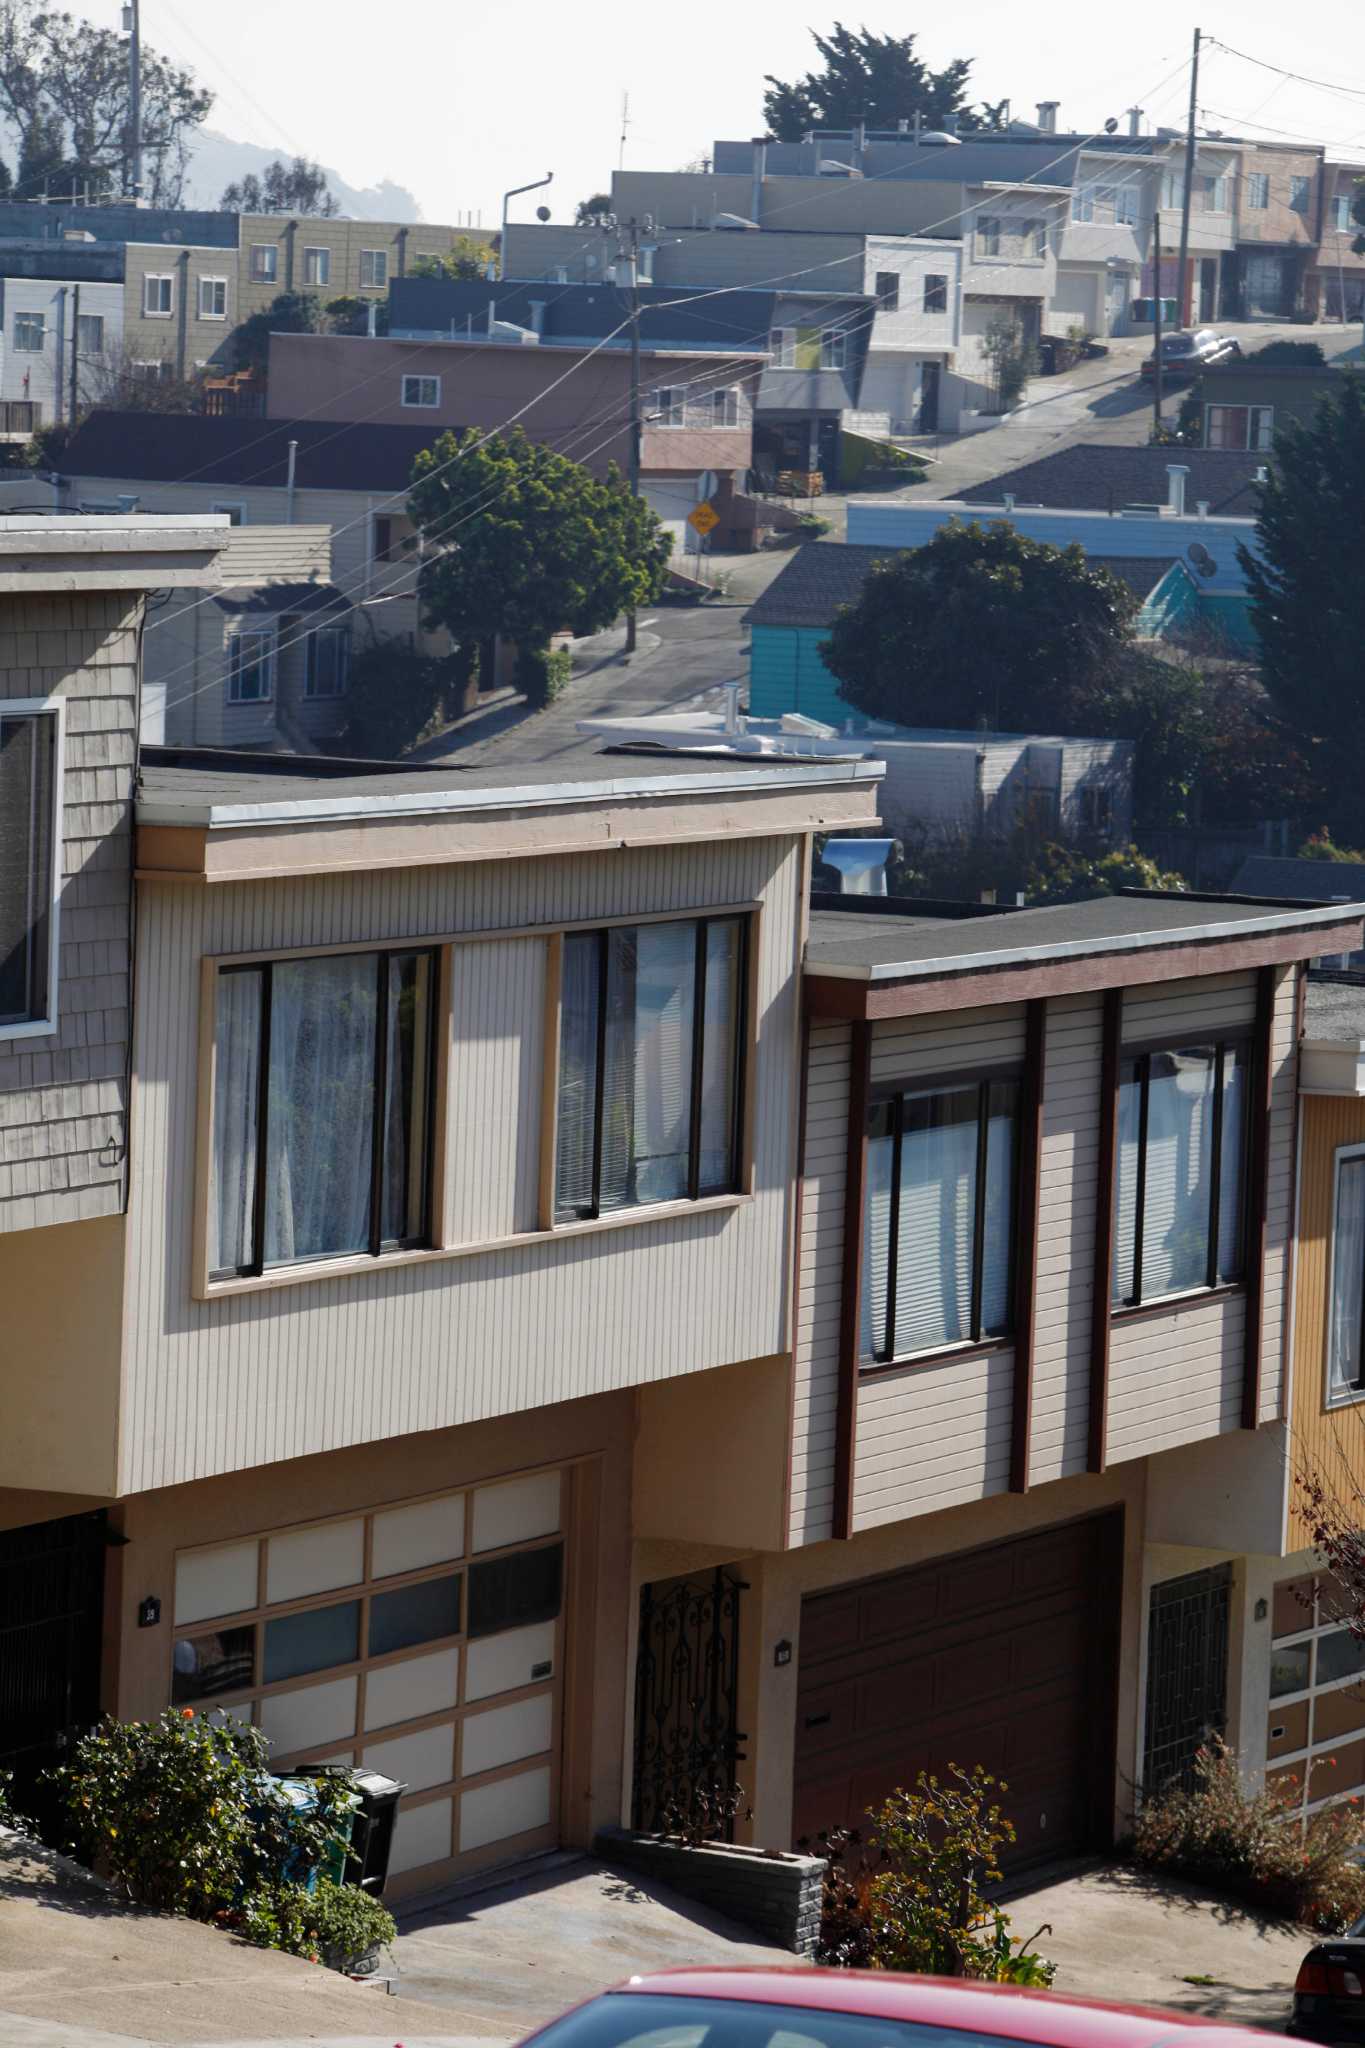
(650, 1063)
(939, 1232)
(1180, 1184)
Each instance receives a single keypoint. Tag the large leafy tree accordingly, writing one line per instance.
(871, 78)
(520, 541)
(64, 93)
(982, 624)
(466, 260)
(295, 187)
(1308, 591)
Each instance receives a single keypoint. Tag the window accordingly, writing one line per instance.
(236, 513)
(30, 332)
(1035, 236)
(1106, 202)
(935, 292)
(1213, 194)
(382, 538)
(374, 269)
(833, 347)
(317, 266)
(265, 262)
(725, 407)
(329, 662)
(1298, 195)
(30, 863)
(988, 234)
(158, 296)
(1345, 1351)
(320, 1109)
(650, 1049)
(1258, 191)
(422, 391)
(1339, 213)
(251, 665)
(784, 348)
(90, 334)
(668, 406)
(1097, 808)
(213, 298)
(1239, 426)
(888, 290)
(1180, 1177)
(940, 1218)
(1126, 206)
(1083, 203)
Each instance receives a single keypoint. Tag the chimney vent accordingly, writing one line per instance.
(1047, 116)
(1177, 474)
(861, 864)
(1135, 115)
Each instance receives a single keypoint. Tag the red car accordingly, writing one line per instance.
(795, 2008)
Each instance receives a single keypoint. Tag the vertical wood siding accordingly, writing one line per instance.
(221, 1385)
(62, 1098)
(819, 1287)
(1328, 1442)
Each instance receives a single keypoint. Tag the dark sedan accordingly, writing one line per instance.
(1185, 355)
(1329, 1992)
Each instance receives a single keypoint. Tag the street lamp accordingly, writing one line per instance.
(534, 186)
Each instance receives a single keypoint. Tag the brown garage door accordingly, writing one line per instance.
(1004, 1657)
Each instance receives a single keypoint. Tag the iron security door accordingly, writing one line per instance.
(686, 1694)
(1187, 1674)
(51, 1615)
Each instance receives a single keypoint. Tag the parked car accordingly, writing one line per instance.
(1185, 355)
(757, 2008)
(1329, 1992)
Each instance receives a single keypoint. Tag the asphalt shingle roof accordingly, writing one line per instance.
(1335, 1010)
(1094, 476)
(1301, 881)
(821, 576)
(174, 447)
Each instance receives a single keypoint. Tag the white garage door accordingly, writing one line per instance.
(424, 1640)
(1074, 303)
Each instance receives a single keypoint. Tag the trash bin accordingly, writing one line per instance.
(371, 1832)
(300, 1789)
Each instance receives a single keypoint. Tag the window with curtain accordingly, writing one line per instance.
(939, 1230)
(1180, 1185)
(1345, 1351)
(650, 1061)
(322, 1081)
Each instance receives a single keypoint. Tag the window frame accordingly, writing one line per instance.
(887, 290)
(1256, 420)
(317, 258)
(229, 506)
(1258, 191)
(834, 348)
(1127, 206)
(1350, 1396)
(270, 634)
(1339, 207)
(86, 320)
(379, 1249)
(1243, 1038)
(1009, 1072)
(267, 270)
(377, 259)
(935, 292)
(339, 636)
(36, 322)
(158, 277)
(432, 404)
(725, 406)
(1300, 193)
(55, 708)
(219, 284)
(593, 1215)
(986, 236)
(782, 348)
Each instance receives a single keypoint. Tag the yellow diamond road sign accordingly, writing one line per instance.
(703, 518)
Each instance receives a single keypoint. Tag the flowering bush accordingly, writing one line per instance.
(1257, 1845)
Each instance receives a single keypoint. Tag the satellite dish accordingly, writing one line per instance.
(1111, 126)
(1202, 559)
(542, 213)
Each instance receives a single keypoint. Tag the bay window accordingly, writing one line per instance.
(321, 1099)
(1345, 1351)
(650, 1065)
(1181, 1175)
(939, 1227)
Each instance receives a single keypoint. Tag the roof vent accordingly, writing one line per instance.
(939, 138)
(861, 864)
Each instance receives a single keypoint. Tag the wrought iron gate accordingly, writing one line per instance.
(51, 1615)
(1187, 1674)
(686, 1694)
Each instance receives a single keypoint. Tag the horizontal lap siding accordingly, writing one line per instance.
(820, 1254)
(1066, 1238)
(923, 1048)
(1279, 1220)
(931, 1437)
(1204, 1006)
(221, 1385)
(1174, 1379)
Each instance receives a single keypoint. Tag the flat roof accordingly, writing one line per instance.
(1334, 1013)
(858, 947)
(227, 797)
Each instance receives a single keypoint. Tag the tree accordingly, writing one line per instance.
(64, 92)
(288, 313)
(1013, 361)
(875, 79)
(466, 261)
(1304, 355)
(523, 542)
(1066, 874)
(297, 187)
(981, 624)
(588, 209)
(1308, 593)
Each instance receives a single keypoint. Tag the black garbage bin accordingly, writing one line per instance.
(367, 1861)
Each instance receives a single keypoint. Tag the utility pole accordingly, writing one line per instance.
(1184, 315)
(1156, 325)
(133, 28)
(636, 424)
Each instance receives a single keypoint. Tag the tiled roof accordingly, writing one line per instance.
(1094, 476)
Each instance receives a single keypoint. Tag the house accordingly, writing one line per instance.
(1334, 287)
(698, 407)
(1279, 222)
(385, 1437)
(1243, 405)
(1100, 477)
(62, 336)
(200, 688)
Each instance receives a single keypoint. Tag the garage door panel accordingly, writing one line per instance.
(1002, 1658)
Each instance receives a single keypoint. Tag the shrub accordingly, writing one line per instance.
(334, 1923)
(1302, 354)
(811, 526)
(1064, 874)
(705, 1812)
(917, 1902)
(1321, 846)
(543, 673)
(182, 1815)
(394, 698)
(1256, 1845)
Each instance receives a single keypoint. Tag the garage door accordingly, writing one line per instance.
(422, 1639)
(1004, 1657)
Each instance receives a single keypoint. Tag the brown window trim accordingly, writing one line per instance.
(1177, 1304)
(948, 1354)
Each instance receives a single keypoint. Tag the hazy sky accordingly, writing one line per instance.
(458, 101)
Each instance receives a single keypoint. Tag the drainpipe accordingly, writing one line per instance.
(289, 484)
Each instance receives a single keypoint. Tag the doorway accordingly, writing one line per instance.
(51, 1618)
(1187, 1674)
(930, 384)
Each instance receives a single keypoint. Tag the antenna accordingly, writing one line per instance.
(625, 123)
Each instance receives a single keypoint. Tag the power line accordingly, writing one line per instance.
(1348, 91)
